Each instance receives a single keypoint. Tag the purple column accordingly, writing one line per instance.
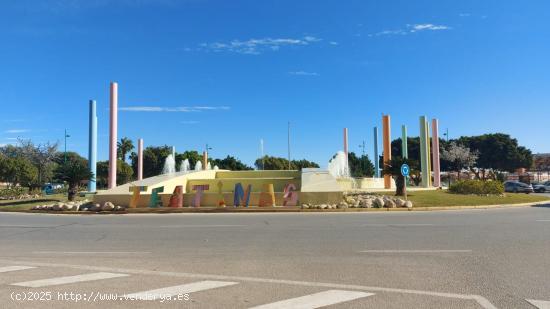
(435, 153)
(140, 159)
(113, 135)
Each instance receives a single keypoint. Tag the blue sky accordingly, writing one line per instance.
(229, 73)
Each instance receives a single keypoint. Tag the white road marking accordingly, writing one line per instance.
(544, 220)
(200, 225)
(178, 289)
(482, 301)
(415, 251)
(14, 268)
(91, 252)
(398, 224)
(316, 300)
(540, 304)
(69, 279)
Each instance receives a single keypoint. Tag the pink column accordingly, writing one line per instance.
(113, 136)
(435, 153)
(140, 159)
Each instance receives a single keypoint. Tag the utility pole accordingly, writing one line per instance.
(288, 145)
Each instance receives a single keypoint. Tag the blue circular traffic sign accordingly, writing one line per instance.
(405, 170)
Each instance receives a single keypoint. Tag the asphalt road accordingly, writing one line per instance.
(441, 259)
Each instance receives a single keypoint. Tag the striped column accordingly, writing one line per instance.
(386, 134)
(113, 123)
(92, 146)
(435, 153)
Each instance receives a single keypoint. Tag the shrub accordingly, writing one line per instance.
(478, 187)
(13, 192)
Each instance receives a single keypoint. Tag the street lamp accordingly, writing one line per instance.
(65, 152)
(362, 146)
(446, 134)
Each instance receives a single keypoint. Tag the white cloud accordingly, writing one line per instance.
(14, 131)
(423, 27)
(303, 73)
(255, 46)
(412, 29)
(178, 109)
(333, 43)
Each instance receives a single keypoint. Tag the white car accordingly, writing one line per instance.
(542, 187)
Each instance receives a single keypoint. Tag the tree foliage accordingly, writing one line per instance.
(124, 146)
(124, 173)
(73, 171)
(459, 157)
(360, 166)
(278, 163)
(230, 163)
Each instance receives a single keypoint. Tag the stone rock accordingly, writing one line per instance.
(400, 202)
(343, 205)
(69, 207)
(408, 204)
(389, 204)
(95, 207)
(120, 208)
(305, 206)
(366, 203)
(378, 202)
(58, 206)
(323, 206)
(108, 206)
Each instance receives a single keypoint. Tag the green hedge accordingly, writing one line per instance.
(478, 187)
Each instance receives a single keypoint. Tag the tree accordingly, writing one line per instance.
(393, 168)
(17, 171)
(192, 156)
(458, 157)
(360, 166)
(123, 147)
(230, 163)
(153, 160)
(278, 163)
(124, 173)
(497, 152)
(73, 171)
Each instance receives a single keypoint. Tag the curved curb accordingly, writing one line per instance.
(278, 209)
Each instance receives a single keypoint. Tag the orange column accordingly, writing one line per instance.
(386, 132)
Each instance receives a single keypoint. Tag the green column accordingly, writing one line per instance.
(423, 151)
(404, 149)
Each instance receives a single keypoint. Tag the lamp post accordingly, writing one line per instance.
(362, 146)
(65, 152)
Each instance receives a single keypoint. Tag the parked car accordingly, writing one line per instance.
(542, 187)
(517, 187)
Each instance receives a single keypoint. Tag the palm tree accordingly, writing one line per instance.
(74, 172)
(394, 169)
(123, 147)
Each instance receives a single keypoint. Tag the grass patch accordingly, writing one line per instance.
(442, 198)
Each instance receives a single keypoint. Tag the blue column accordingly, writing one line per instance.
(92, 146)
(376, 155)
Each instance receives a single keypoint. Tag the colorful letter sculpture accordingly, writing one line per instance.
(135, 196)
(290, 196)
(221, 199)
(241, 196)
(267, 197)
(198, 195)
(176, 200)
(155, 200)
